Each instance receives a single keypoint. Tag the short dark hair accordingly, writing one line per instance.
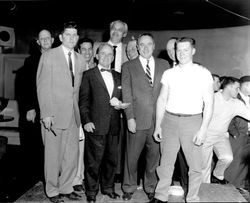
(69, 24)
(145, 34)
(186, 39)
(228, 81)
(83, 40)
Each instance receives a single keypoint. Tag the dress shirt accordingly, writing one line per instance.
(118, 57)
(66, 51)
(108, 80)
(151, 64)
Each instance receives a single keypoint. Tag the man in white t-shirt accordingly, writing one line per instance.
(226, 107)
(184, 109)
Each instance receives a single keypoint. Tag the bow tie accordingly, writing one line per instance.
(103, 69)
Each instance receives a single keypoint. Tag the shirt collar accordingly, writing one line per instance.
(66, 51)
(112, 44)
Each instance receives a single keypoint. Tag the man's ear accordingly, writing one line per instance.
(52, 40)
(60, 37)
(38, 42)
(194, 50)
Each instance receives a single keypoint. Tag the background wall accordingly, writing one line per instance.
(224, 51)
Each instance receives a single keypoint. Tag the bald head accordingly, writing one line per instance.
(170, 47)
(45, 40)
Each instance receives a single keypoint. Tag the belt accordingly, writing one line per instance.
(182, 115)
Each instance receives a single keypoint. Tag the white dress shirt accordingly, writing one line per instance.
(151, 64)
(108, 79)
(66, 53)
(118, 56)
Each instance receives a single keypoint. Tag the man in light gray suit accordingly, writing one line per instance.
(58, 80)
(140, 87)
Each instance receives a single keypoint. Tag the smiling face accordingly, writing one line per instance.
(131, 50)
(185, 52)
(86, 50)
(105, 55)
(146, 46)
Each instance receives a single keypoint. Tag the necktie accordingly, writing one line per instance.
(148, 74)
(103, 69)
(113, 62)
(71, 68)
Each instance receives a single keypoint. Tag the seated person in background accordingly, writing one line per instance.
(239, 130)
(216, 84)
(226, 107)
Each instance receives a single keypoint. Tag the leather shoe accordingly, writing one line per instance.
(127, 196)
(154, 200)
(91, 199)
(78, 188)
(72, 196)
(56, 199)
(151, 195)
(112, 195)
(217, 180)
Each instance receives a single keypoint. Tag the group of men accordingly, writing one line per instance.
(82, 106)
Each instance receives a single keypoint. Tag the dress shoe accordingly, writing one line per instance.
(112, 195)
(72, 196)
(78, 188)
(56, 199)
(217, 180)
(91, 199)
(127, 196)
(151, 196)
(154, 200)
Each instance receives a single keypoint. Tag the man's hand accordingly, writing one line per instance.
(89, 127)
(31, 115)
(132, 125)
(48, 122)
(157, 134)
(199, 137)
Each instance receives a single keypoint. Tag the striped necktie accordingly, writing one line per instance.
(148, 74)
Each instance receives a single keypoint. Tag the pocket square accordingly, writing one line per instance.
(119, 87)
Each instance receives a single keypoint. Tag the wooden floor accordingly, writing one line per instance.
(207, 193)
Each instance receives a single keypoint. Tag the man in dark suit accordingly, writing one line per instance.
(140, 87)
(99, 102)
(239, 139)
(26, 95)
(58, 79)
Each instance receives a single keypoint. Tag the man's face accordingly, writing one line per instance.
(216, 84)
(171, 49)
(117, 32)
(105, 56)
(132, 50)
(45, 40)
(86, 50)
(234, 89)
(246, 86)
(69, 38)
(146, 46)
(185, 52)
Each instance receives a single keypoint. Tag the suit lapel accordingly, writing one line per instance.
(156, 74)
(99, 78)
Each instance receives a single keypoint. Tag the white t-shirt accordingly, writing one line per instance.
(186, 86)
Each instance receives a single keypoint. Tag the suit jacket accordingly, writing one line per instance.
(137, 91)
(94, 102)
(238, 126)
(57, 98)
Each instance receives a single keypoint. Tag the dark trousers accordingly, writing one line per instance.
(100, 160)
(134, 147)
